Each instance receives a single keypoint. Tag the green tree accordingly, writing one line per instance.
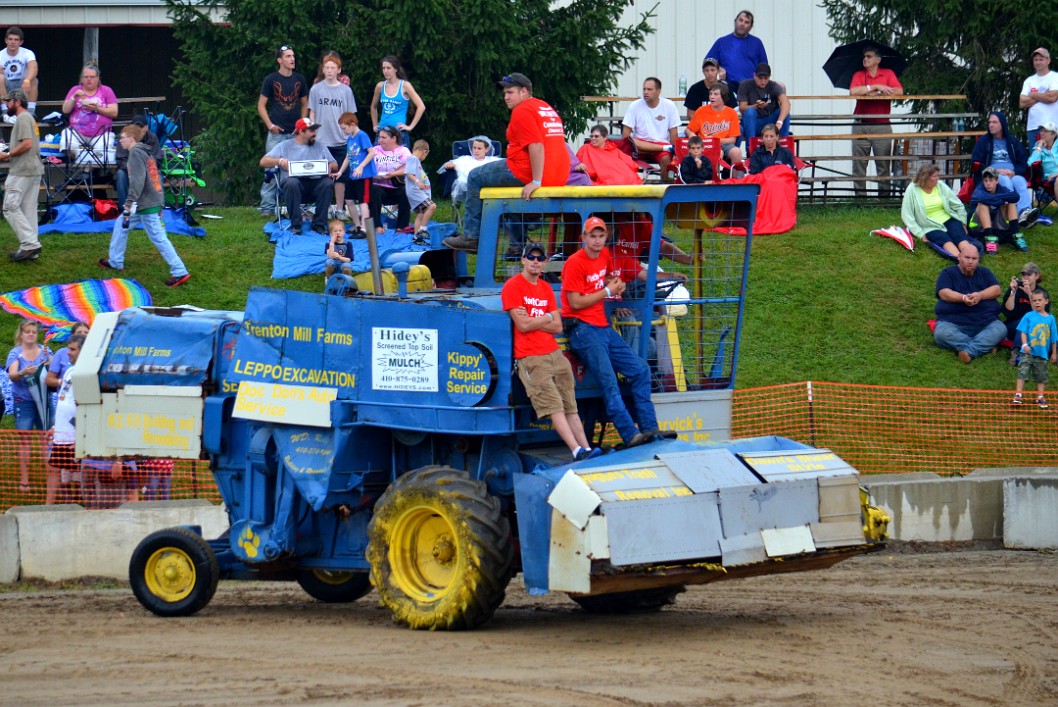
(453, 51)
(979, 48)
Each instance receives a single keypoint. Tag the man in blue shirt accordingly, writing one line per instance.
(967, 307)
(739, 52)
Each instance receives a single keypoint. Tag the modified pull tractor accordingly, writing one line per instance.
(365, 441)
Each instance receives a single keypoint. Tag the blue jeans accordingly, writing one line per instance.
(493, 174)
(152, 223)
(954, 231)
(606, 354)
(121, 186)
(268, 186)
(753, 122)
(976, 341)
(1018, 184)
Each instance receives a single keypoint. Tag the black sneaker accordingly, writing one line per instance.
(19, 255)
(462, 243)
(359, 234)
(105, 264)
(175, 281)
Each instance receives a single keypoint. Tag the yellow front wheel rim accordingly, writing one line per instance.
(424, 556)
(170, 574)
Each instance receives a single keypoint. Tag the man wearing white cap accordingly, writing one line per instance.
(1039, 94)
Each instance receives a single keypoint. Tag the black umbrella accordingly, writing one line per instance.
(847, 59)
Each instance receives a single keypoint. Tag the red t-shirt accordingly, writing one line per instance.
(532, 120)
(886, 77)
(628, 242)
(584, 275)
(539, 301)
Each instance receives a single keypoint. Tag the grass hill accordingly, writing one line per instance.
(825, 302)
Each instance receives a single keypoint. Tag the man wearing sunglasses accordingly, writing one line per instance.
(536, 156)
(284, 98)
(543, 369)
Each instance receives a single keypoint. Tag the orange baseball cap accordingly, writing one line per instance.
(594, 222)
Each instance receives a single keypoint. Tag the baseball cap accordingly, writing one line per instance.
(530, 247)
(305, 124)
(710, 61)
(1042, 52)
(17, 94)
(138, 120)
(594, 222)
(1049, 126)
(762, 70)
(989, 172)
(516, 80)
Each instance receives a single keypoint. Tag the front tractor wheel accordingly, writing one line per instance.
(334, 587)
(173, 572)
(440, 550)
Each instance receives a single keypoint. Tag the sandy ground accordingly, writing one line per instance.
(951, 628)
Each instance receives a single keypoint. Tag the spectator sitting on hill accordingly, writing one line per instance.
(994, 214)
(1006, 156)
(652, 123)
(1046, 155)
(1017, 302)
(92, 107)
(695, 167)
(967, 307)
(698, 94)
(769, 152)
(480, 154)
(931, 210)
(715, 119)
(603, 162)
(763, 101)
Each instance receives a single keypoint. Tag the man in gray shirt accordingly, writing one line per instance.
(23, 181)
(297, 190)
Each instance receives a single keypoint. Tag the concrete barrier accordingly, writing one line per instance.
(1029, 518)
(931, 508)
(8, 549)
(63, 542)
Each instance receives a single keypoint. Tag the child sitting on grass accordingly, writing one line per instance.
(417, 186)
(339, 250)
(1039, 345)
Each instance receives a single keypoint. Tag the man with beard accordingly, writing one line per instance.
(297, 190)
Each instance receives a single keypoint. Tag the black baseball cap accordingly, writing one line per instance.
(516, 80)
(530, 247)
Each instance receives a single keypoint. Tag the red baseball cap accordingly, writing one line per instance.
(305, 124)
(594, 222)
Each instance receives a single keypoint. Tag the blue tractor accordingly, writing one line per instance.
(379, 440)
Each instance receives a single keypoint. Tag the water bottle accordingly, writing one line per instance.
(129, 213)
(958, 125)
(683, 84)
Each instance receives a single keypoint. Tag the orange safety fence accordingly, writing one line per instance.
(876, 429)
(889, 430)
(108, 487)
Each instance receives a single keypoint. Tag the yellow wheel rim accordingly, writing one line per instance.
(424, 556)
(335, 578)
(170, 574)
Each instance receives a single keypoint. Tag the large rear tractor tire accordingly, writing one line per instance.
(644, 601)
(335, 587)
(440, 550)
(173, 572)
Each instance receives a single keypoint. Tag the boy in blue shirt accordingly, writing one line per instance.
(1039, 345)
(358, 168)
(417, 187)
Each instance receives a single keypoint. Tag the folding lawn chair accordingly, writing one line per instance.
(449, 188)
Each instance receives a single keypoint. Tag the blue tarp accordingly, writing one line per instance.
(303, 254)
(77, 218)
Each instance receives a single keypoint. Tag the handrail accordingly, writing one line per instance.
(842, 96)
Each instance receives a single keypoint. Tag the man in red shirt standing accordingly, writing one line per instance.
(536, 156)
(543, 369)
(873, 81)
(587, 280)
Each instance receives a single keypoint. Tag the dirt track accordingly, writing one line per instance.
(953, 628)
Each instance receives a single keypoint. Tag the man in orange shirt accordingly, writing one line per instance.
(715, 119)
(536, 156)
